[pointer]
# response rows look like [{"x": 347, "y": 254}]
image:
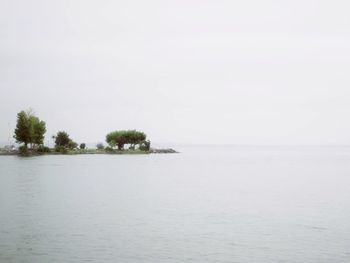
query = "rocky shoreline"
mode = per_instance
[{"x": 168, "y": 150}]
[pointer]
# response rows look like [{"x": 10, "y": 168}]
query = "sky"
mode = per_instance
[{"x": 185, "y": 71}]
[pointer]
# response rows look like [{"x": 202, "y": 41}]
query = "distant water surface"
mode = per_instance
[{"x": 206, "y": 204}]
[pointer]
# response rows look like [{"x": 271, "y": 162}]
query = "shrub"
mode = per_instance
[
  {"x": 109, "y": 149},
  {"x": 43, "y": 149},
  {"x": 61, "y": 149},
  {"x": 145, "y": 146},
  {"x": 23, "y": 150},
  {"x": 100, "y": 146},
  {"x": 72, "y": 145},
  {"x": 82, "y": 146}
]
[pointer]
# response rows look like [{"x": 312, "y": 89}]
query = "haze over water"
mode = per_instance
[{"x": 206, "y": 204}]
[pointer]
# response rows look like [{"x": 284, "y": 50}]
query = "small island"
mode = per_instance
[{"x": 30, "y": 134}]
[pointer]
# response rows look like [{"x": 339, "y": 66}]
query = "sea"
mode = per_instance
[{"x": 204, "y": 204}]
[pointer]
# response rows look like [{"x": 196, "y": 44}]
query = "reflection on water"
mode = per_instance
[{"x": 207, "y": 204}]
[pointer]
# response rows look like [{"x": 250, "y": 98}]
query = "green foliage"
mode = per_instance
[
  {"x": 145, "y": 146},
  {"x": 29, "y": 129},
  {"x": 23, "y": 150},
  {"x": 39, "y": 128},
  {"x": 109, "y": 149},
  {"x": 62, "y": 139},
  {"x": 120, "y": 138},
  {"x": 72, "y": 145},
  {"x": 43, "y": 149},
  {"x": 61, "y": 149},
  {"x": 63, "y": 142},
  {"x": 100, "y": 146},
  {"x": 23, "y": 129}
]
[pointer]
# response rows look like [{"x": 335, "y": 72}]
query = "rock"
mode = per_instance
[{"x": 169, "y": 150}]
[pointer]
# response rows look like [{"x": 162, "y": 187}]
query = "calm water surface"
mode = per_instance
[{"x": 207, "y": 204}]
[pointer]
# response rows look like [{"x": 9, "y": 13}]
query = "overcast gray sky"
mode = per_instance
[{"x": 185, "y": 71}]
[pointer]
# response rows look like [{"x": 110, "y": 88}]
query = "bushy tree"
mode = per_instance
[
  {"x": 82, "y": 146},
  {"x": 29, "y": 129},
  {"x": 72, "y": 145},
  {"x": 62, "y": 139},
  {"x": 116, "y": 138},
  {"x": 23, "y": 128},
  {"x": 145, "y": 146},
  {"x": 122, "y": 137},
  {"x": 135, "y": 137},
  {"x": 39, "y": 131},
  {"x": 100, "y": 146}
]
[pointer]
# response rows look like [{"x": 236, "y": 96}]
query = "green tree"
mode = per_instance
[
  {"x": 82, "y": 146},
  {"x": 29, "y": 129},
  {"x": 63, "y": 142},
  {"x": 62, "y": 139},
  {"x": 122, "y": 137},
  {"x": 23, "y": 129},
  {"x": 135, "y": 137},
  {"x": 39, "y": 130},
  {"x": 117, "y": 138}
]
